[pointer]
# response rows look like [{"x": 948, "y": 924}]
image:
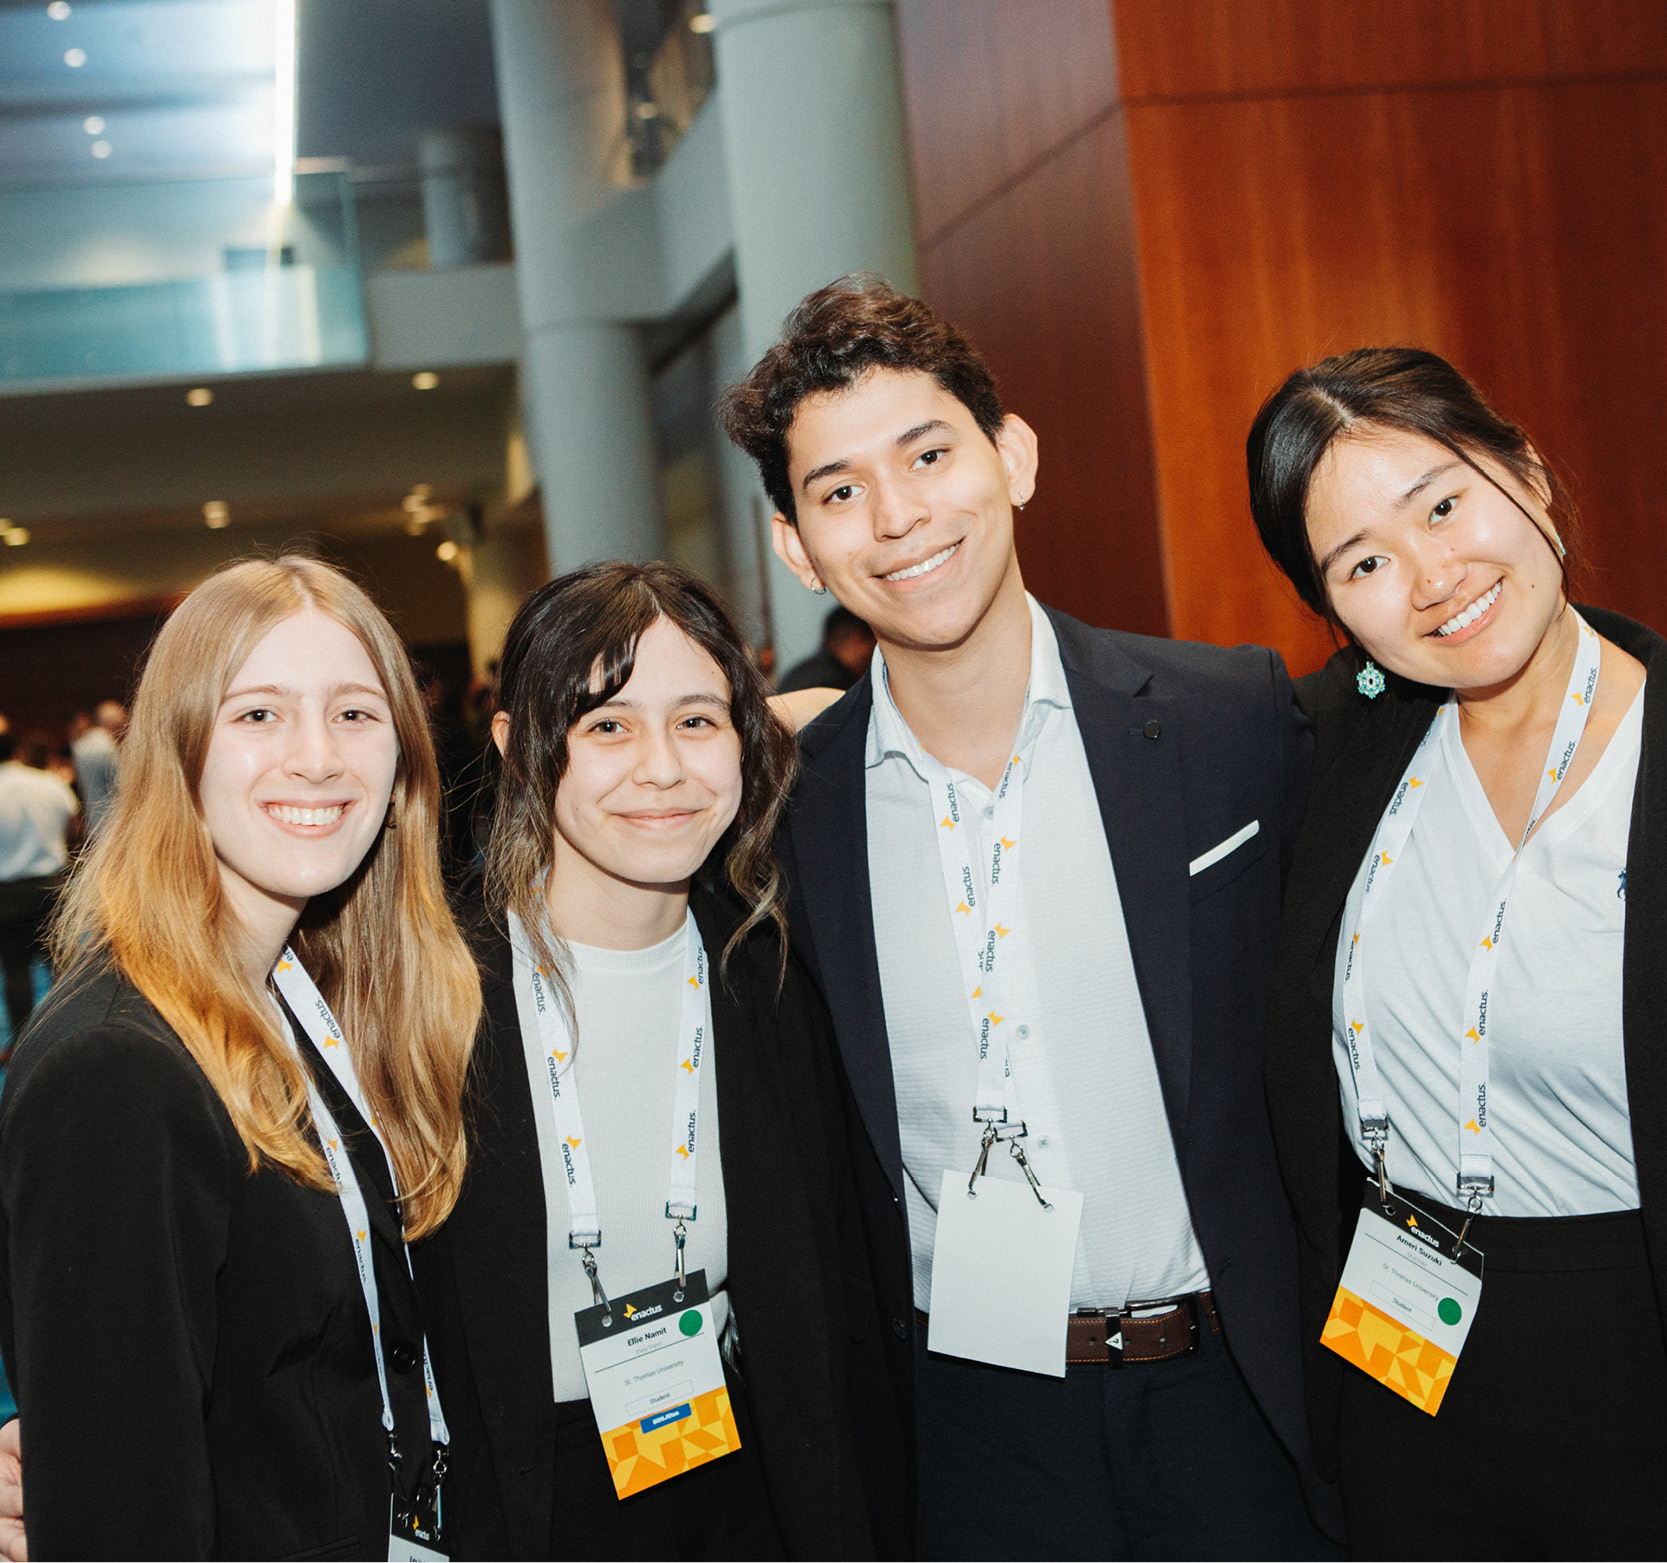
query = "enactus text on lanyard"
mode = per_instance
[
  {"x": 1475, "y": 1158},
  {"x": 310, "y": 1009},
  {"x": 984, "y": 911},
  {"x": 555, "y": 1034}
]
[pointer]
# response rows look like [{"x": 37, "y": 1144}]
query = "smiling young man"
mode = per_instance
[{"x": 1036, "y": 867}]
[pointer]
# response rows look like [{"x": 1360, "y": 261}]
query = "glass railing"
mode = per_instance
[{"x": 208, "y": 277}]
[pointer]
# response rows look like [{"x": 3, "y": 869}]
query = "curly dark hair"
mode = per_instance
[
  {"x": 833, "y": 338},
  {"x": 573, "y": 647},
  {"x": 1402, "y": 388}
]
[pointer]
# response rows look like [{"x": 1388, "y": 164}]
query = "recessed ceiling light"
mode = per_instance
[
  {"x": 199, "y": 396},
  {"x": 648, "y": 109},
  {"x": 702, "y": 22},
  {"x": 101, "y": 149},
  {"x": 75, "y": 58},
  {"x": 446, "y": 552},
  {"x": 58, "y": 10},
  {"x": 217, "y": 514},
  {"x": 93, "y": 124},
  {"x": 16, "y": 536},
  {"x": 425, "y": 380}
]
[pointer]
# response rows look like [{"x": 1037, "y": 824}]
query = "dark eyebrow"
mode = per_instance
[
  {"x": 931, "y": 426},
  {"x": 1337, "y": 552},
  {"x": 1424, "y": 482},
  {"x": 619, "y": 703},
  {"x": 907, "y": 437},
  {"x": 826, "y": 470}
]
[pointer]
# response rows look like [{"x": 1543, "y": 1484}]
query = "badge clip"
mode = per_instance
[
  {"x": 1473, "y": 1188},
  {"x": 583, "y": 1241}
]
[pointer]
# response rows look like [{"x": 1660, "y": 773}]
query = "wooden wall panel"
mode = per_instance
[
  {"x": 1022, "y": 190},
  {"x": 992, "y": 86},
  {"x": 1502, "y": 227},
  {"x": 1043, "y": 280},
  {"x": 1171, "y": 48}
]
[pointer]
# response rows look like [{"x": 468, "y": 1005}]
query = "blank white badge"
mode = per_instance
[{"x": 1001, "y": 1273}]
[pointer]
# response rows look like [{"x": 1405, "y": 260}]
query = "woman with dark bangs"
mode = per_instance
[{"x": 643, "y": 1328}]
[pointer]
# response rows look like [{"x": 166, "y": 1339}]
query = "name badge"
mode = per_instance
[
  {"x": 1407, "y": 1298},
  {"x": 414, "y": 1530},
  {"x": 656, "y": 1383},
  {"x": 1001, "y": 1273}
]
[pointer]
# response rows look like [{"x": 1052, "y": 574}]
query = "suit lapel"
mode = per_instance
[
  {"x": 829, "y": 828},
  {"x": 505, "y": 1300},
  {"x": 1137, "y": 783}
]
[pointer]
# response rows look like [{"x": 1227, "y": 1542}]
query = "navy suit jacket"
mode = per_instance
[{"x": 1187, "y": 744}]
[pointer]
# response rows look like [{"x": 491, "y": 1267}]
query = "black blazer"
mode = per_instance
[
  {"x": 187, "y": 1341},
  {"x": 1187, "y": 744},
  {"x": 1362, "y": 749},
  {"x": 781, "y": 1149}
]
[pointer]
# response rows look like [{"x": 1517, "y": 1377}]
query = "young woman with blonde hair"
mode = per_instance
[{"x": 264, "y": 1026}]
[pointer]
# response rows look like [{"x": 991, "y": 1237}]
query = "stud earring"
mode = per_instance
[{"x": 1370, "y": 681}]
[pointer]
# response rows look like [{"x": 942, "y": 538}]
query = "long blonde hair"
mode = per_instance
[{"x": 382, "y": 947}]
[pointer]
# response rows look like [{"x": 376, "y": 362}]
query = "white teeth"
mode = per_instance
[
  {"x": 285, "y": 815},
  {"x": 925, "y": 567},
  {"x": 1473, "y": 612}
]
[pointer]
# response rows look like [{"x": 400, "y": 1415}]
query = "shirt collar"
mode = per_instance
[{"x": 889, "y": 734}]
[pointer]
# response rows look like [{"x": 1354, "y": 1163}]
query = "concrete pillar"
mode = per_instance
[
  {"x": 561, "y": 92},
  {"x": 465, "y": 206},
  {"x": 814, "y": 135}
]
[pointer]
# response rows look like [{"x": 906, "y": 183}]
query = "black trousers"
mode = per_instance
[
  {"x": 25, "y": 909},
  {"x": 1158, "y": 1460},
  {"x": 1551, "y": 1440},
  {"x": 717, "y": 1510}
]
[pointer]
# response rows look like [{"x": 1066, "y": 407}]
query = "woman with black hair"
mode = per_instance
[
  {"x": 643, "y": 1330},
  {"x": 1470, "y": 993}
]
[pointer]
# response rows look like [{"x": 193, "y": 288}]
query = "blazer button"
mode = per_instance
[
  {"x": 403, "y": 1357},
  {"x": 1151, "y": 729},
  {"x": 900, "y": 1328}
]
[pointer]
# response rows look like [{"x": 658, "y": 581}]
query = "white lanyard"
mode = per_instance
[
  {"x": 1475, "y": 1159},
  {"x": 982, "y": 892},
  {"x": 309, "y": 1007},
  {"x": 561, "y": 1081}
]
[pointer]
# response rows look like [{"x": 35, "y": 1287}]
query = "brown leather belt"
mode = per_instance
[{"x": 1120, "y": 1339}]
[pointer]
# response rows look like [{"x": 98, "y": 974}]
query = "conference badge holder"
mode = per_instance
[
  {"x": 1001, "y": 1264},
  {"x": 1407, "y": 1298},
  {"x": 414, "y": 1528},
  {"x": 656, "y": 1382}
]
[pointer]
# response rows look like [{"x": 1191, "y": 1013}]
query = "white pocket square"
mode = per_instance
[{"x": 1221, "y": 849}]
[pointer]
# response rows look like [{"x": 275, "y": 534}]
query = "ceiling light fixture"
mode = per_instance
[
  {"x": 425, "y": 380},
  {"x": 446, "y": 552},
  {"x": 283, "y": 115},
  {"x": 703, "y": 22},
  {"x": 199, "y": 396},
  {"x": 93, "y": 124},
  {"x": 101, "y": 149},
  {"x": 217, "y": 514},
  {"x": 15, "y": 536},
  {"x": 58, "y": 10},
  {"x": 75, "y": 58}
]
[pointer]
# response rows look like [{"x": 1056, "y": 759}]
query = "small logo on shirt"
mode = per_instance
[{"x": 1620, "y": 893}]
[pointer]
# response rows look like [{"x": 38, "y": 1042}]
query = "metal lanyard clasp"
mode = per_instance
[{"x": 995, "y": 1130}]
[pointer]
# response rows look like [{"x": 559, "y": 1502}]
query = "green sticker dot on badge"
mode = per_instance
[
  {"x": 1449, "y": 1310},
  {"x": 690, "y": 1322}
]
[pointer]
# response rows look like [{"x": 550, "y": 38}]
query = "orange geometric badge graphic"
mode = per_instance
[
  {"x": 1398, "y": 1358},
  {"x": 642, "y": 1455}
]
